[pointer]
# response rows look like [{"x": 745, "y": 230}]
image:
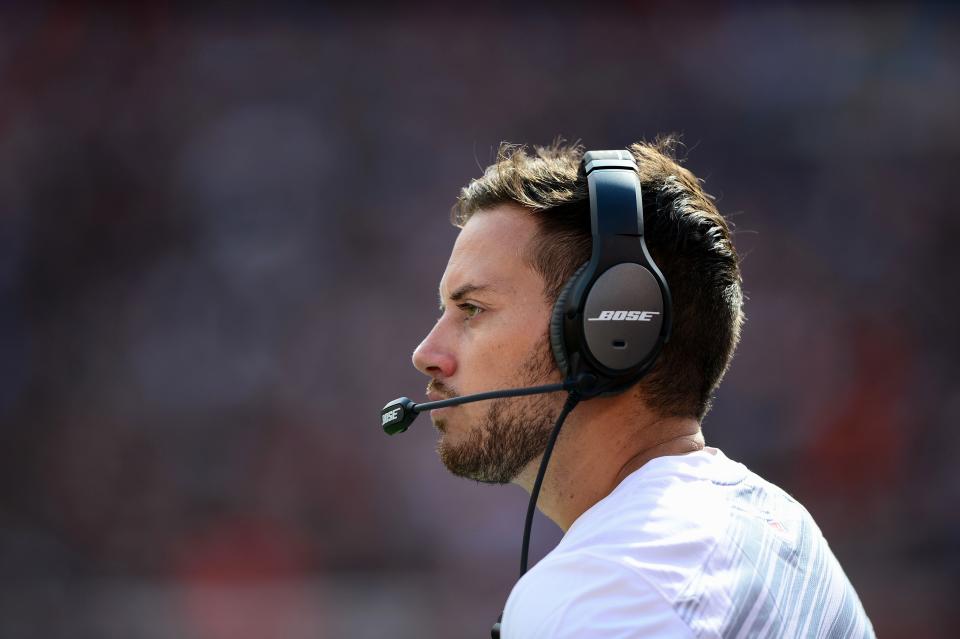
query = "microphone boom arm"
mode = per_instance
[
  {"x": 397, "y": 415},
  {"x": 515, "y": 392}
]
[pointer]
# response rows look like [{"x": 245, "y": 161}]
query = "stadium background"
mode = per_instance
[{"x": 220, "y": 240}]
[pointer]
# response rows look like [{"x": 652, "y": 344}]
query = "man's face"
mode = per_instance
[{"x": 492, "y": 335}]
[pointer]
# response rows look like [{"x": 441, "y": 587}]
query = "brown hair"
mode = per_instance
[{"x": 688, "y": 238}]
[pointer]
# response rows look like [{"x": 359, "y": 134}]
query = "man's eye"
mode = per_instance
[{"x": 470, "y": 310}]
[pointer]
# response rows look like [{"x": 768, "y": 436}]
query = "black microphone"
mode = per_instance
[{"x": 397, "y": 415}]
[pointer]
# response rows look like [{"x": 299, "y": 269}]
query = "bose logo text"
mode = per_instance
[
  {"x": 627, "y": 316},
  {"x": 392, "y": 415}
]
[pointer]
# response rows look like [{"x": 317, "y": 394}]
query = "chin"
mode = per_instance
[{"x": 450, "y": 435}]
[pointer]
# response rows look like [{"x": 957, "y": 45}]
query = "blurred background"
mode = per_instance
[{"x": 221, "y": 235}]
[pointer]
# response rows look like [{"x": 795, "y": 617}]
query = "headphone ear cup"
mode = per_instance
[{"x": 556, "y": 324}]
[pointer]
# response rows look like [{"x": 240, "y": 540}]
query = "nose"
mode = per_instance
[{"x": 434, "y": 357}]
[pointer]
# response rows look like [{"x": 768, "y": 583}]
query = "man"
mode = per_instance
[{"x": 663, "y": 536}]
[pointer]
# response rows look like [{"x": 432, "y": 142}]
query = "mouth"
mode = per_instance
[
  {"x": 437, "y": 391},
  {"x": 433, "y": 395}
]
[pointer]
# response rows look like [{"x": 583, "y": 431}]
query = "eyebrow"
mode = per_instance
[{"x": 462, "y": 292}]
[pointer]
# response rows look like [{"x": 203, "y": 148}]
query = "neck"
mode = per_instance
[{"x": 602, "y": 442}]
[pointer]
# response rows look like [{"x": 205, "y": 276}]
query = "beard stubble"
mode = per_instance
[{"x": 513, "y": 432}]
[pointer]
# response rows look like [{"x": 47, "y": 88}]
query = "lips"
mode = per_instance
[{"x": 436, "y": 391}]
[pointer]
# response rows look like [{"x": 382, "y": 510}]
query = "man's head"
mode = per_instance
[
  {"x": 491, "y": 335},
  {"x": 525, "y": 230}
]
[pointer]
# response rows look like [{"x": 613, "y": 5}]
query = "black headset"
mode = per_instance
[{"x": 612, "y": 318}]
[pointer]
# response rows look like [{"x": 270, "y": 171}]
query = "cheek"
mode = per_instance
[
  {"x": 488, "y": 361},
  {"x": 499, "y": 352}
]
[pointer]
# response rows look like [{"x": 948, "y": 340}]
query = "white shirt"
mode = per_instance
[{"x": 688, "y": 546}]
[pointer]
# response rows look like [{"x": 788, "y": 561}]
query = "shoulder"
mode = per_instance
[
  {"x": 629, "y": 564},
  {"x": 577, "y": 595},
  {"x": 661, "y": 523}
]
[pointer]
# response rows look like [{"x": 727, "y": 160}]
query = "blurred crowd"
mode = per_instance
[{"x": 221, "y": 237}]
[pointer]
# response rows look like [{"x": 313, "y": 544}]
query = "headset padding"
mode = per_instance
[{"x": 556, "y": 324}]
